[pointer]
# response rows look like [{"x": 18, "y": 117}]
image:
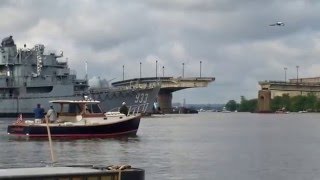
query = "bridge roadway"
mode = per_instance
[{"x": 168, "y": 86}]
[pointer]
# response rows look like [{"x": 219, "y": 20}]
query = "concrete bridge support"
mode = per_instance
[
  {"x": 165, "y": 101},
  {"x": 264, "y": 100}
]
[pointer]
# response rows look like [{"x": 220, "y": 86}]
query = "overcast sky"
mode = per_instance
[{"x": 232, "y": 38}]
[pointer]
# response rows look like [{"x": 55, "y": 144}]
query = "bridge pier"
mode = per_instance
[
  {"x": 165, "y": 101},
  {"x": 264, "y": 100}
]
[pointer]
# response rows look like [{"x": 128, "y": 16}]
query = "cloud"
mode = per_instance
[{"x": 231, "y": 38}]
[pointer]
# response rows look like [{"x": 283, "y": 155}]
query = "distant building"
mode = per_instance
[{"x": 294, "y": 87}]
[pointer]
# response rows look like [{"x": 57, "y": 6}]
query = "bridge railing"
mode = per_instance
[{"x": 290, "y": 83}]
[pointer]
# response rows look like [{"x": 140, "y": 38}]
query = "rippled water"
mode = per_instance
[{"x": 208, "y": 146}]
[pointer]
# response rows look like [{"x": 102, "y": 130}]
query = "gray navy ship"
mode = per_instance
[{"x": 29, "y": 77}]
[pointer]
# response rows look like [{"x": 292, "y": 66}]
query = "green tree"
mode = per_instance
[
  {"x": 286, "y": 103},
  {"x": 281, "y": 102},
  {"x": 311, "y": 101},
  {"x": 252, "y": 105},
  {"x": 231, "y": 105},
  {"x": 317, "y": 106},
  {"x": 276, "y": 103},
  {"x": 248, "y": 105},
  {"x": 296, "y": 103}
]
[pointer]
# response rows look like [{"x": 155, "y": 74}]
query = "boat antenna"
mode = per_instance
[{"x": 53, "y": 160}]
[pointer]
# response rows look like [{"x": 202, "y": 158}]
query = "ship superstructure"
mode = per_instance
[{"x": 27, "y": 76}]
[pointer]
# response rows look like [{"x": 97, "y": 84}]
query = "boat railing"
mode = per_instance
[{"x": 133, "y": 109}]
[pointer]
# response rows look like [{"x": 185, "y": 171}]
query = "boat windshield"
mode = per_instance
[
  {"x": 93, "y": 108},
  {"x": 71, "y": 109}
]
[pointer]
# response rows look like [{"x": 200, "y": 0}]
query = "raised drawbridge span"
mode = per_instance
[{"x": 168, "y": 86}]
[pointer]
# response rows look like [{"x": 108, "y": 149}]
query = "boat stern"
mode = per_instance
[{"x": 17, "y": 130}]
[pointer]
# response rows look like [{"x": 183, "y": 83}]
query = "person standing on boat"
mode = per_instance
[
  {"x": 38, "y": 114},
  {"x": 124, "y": 109},
  {"x": 51, "y": 115}
]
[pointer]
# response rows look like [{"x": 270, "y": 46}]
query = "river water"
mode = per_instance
[{"x": 208, "y": 145}]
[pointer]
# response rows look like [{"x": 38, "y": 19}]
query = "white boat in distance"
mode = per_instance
[{"x": 224, "y": 110}]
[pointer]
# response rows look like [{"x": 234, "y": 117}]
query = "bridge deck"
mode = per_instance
[
  {"x": 168, "y": 82},
  {"x": 168, "y": 85}
]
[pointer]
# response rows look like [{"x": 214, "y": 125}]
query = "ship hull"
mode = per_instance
[
  {"x": 110, "y": 100},
  {"x": 142, "y": 99},
  {"x": 25, "y": 105},
  {"x": 123, "y": 128}
]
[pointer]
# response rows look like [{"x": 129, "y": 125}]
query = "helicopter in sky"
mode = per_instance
[{"x": 279, "y": 23}]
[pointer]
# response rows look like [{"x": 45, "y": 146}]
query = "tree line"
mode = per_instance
[
  {"x": 244, "y": 105},
  {"x": 310, "y": 103}
]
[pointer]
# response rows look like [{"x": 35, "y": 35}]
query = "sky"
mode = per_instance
[{"x": 232, "y": 39}]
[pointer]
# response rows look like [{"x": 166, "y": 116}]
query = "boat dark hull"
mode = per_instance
[{"x": 128, "y": 127}]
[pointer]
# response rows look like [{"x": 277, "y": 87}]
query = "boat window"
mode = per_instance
[
  {"x": 74, "y": 108},
  {"x": 70, "y": 108},
  {"x": 95, "y": 108}
]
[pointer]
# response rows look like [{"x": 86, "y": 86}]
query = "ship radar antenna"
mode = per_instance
[
  {"x": 86, "y": 69},
  {"x": 59, "y": 56}
]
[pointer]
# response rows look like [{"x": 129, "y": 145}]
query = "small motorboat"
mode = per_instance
[
  {"x": 224, "y": 110},
  {"x": 79, "y": 119}
]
